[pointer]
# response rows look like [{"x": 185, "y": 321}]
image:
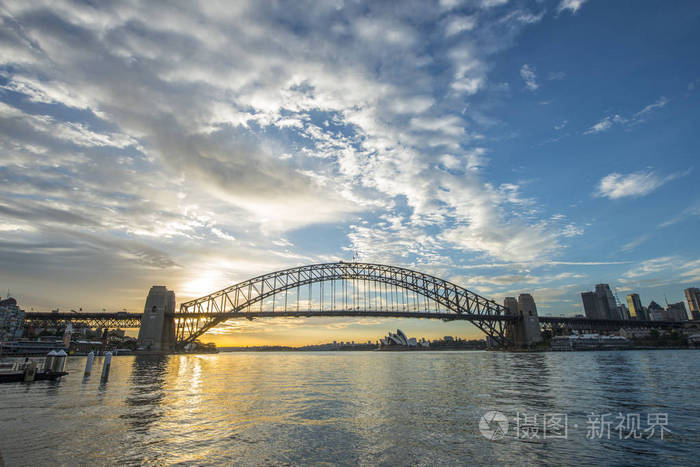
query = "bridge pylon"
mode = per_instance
[
  {"x": 524, "y": 332},
  {"x": 157, "y": 332}
]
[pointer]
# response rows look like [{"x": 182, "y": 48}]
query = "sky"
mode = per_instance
[{"x": 507, "y": 146}]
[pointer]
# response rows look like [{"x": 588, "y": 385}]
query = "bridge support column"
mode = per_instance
[
  {"x": 510, "y": 304},
  {"x": 526, "y": 330},
  {"x": 157, "y": 332}
]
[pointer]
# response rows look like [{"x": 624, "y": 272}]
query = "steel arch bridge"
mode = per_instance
[{"x": 343, "y": 289}]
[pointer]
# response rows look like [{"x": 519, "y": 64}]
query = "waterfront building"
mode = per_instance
[
  {"x": 623, "y": 312},
  {"x": 635, "y": 307},
  {"x": 656, "y": 313},
  {"x": 590, "y": 305},
  {"x": 511, "y": 306},
  {"x": 692, "y": 295},
  {"x": 606, "y": 301},
  {"x": 37, "y": 347},
  {"x": 676, "y": 312},
  {"x": 11, "y": 320},
  {"x": 694, "y": 341},
  {"x": 601, "y": 304},
  {"x": 589, "y": 342},
  {"x": 400, "y": 339},
  {"x": 635, "y": 333}
]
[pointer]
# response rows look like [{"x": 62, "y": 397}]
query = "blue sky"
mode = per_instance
[{"x": 509, "y": 146}]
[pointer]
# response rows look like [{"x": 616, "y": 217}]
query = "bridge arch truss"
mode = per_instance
[{"x": 345, "y": 289}]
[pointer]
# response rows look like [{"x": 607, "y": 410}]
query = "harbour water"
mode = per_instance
[{"x": 367, "y": 408}]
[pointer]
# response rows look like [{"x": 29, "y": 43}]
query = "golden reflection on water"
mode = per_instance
[{"x": 354, "y": 408}]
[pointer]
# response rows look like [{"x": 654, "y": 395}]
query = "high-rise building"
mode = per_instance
[
  {"x": 692, "y": 295},
  {"x": 606, "y": 301},
  {"x": 11, "y": 320},
  {"x": 637, "y": 311},
  {"x": 676, "y": 312},
  {"x": 601, "y": 304},
  {"x": 623, "y": 312},
  {"x": 656, "y": 313},
  {"x": 590, "y": 305},
  {"x": 511, "y": 306}
]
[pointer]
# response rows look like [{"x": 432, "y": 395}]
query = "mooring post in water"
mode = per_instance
[
  {"x": 30, "y": 372},
  {"x": 88, "y": 362},
  {"x": 59, "y": 362},
  {"x": 105, "y": 366},
  {"x": 48, "y": 362}
]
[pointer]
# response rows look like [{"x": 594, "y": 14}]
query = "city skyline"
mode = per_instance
[{"x": 510, "y": 147}]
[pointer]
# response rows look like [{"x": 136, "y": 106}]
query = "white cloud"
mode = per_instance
[
  {"x": 570, "y": 5},
  {"x": 200, "y": 127},
  {"x": 605, "y": 124},
  {"x": 492, "y": 3},
  {"x": 458, "y": 24},
  {"x": 660, "y": 264},
  {"x": 691, "y": 211},
  {"x": 639, "y": 117},
  {"x": 635, "y": 184},
  {"x": 642, "y": 115},
  {"x": 527, "y": 73},
  {"x": 635, "y": 243},
  {"x": 561, "y": 125}
]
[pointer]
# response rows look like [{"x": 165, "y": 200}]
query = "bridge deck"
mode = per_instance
[
  {"x": 346, "y": 314},
  {"x": 134, "y": 319}
]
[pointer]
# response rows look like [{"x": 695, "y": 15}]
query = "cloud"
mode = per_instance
[
  {"x": 198, "y": 132},
  {"x": 458, "y": 24},
  {"x": 691, "y": 211},
  {"x": 570, "y": 5},
  {"x": 605, "y": 124},
  {"x": 639, "y": 117},
  {"x": 527, "y": 73},
  {"x": 636, "y": 184},
  {"x": 643, "y": 114},
  {"x": 674, "y": 268},
  {"x": 556, "y": 75},
  {"x": 636, "y": 242}
]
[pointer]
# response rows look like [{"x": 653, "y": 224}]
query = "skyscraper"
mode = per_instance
[
  {"x": 590, "y": 305},
  {"x": 511, "y": 306},
  {"x": 607, "y": 305},
  {"x": 601, "y": 304},
  {"x": 11, "y": 320},
  {"x": 656, "y": 313},
  {"x": 637, "y": 311},
  {"x": 623, "y": 312},
  {"x": 692, "y": 295},
  {"x": 676, "y": 312}
]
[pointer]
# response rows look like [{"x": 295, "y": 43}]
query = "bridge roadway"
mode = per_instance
[
  {"x": 133, "y": 320},
  {"x": 93, "y": 319}
]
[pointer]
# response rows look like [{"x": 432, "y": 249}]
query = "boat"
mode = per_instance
[
  {"x": 32, "y": 370},
  {"x": 18, "y": 376}
]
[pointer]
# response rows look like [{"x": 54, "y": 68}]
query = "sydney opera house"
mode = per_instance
[{"x": 400, "y": 339}]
